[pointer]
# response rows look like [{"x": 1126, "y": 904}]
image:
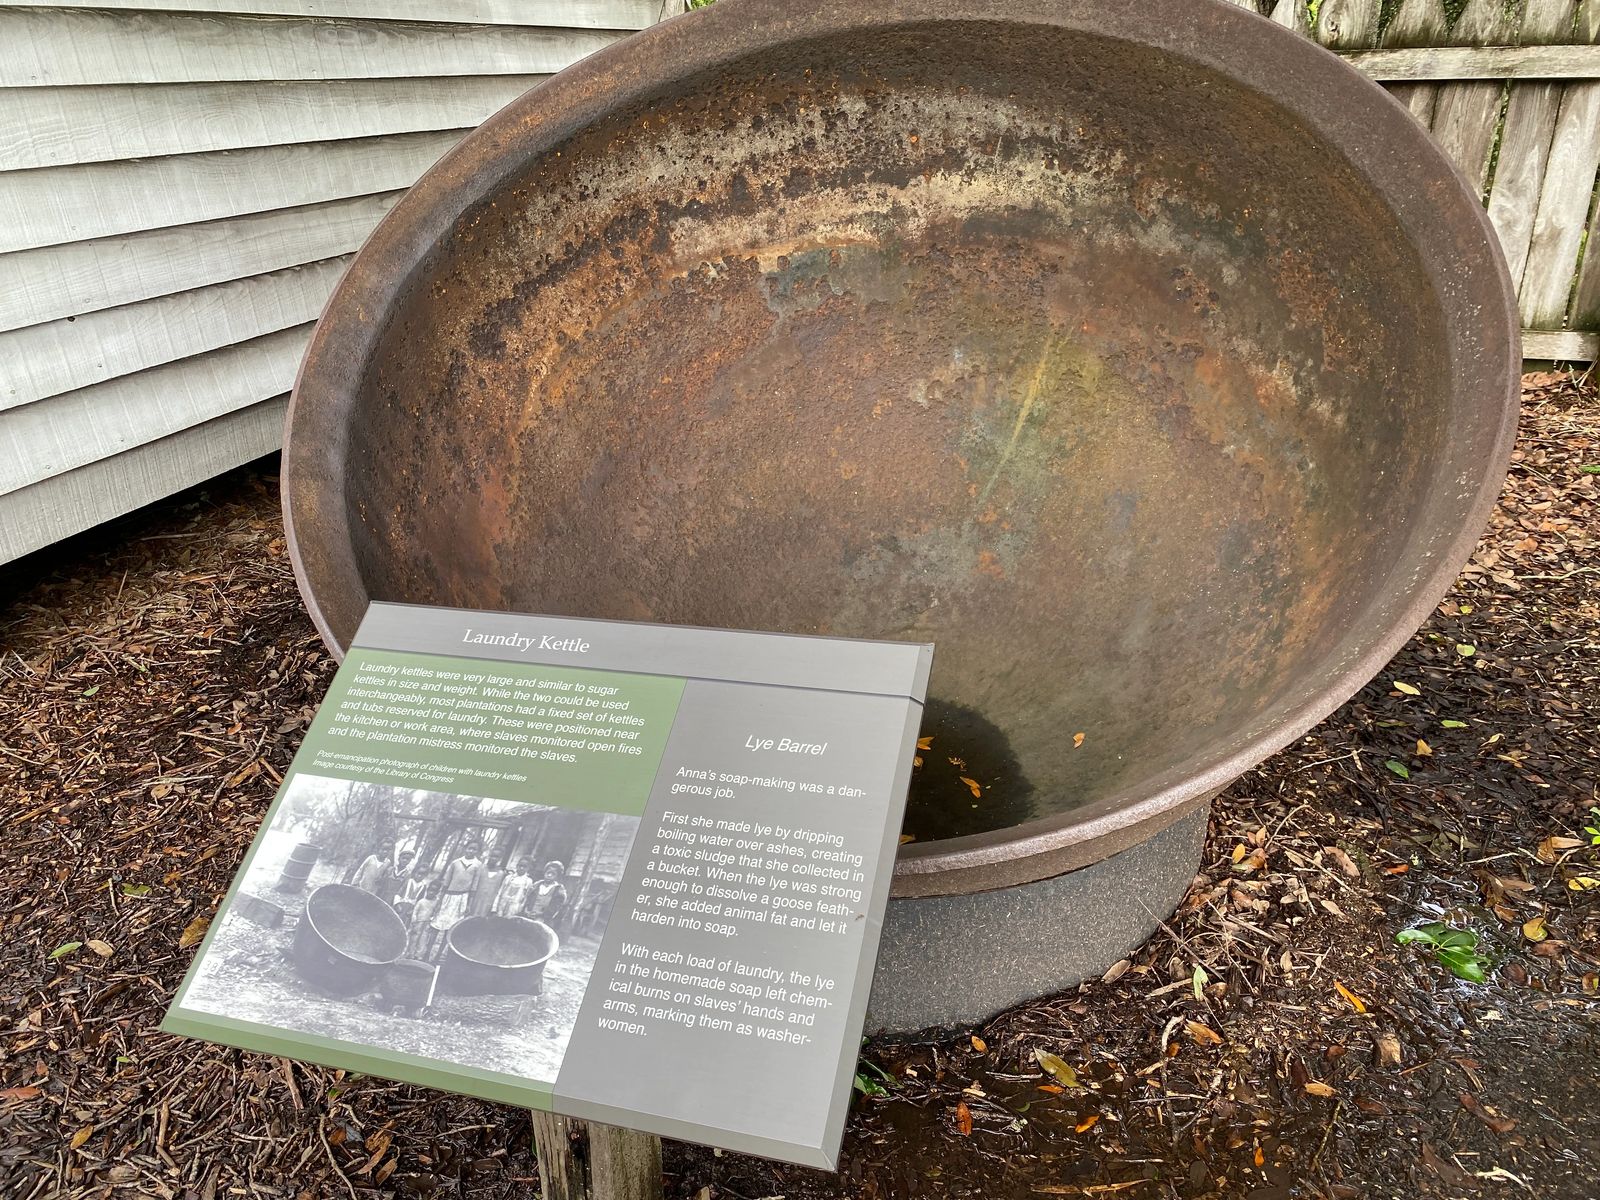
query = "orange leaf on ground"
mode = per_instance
[
  {"x": 1077, "y": 740},
  {"x": 972, "y": 786},
  {"x": 963, "y": 1119},
  {"x": 1086, "y": 1124},
  {"x": 1355, "y": 1001}
]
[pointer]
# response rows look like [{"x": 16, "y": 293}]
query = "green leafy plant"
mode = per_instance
[
  {"x": 1455, "y": 949},
  {"x": 869, "y": 1086},
  {"x": 1594, "y": 830}
]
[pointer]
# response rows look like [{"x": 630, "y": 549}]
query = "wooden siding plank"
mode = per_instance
[
  {"x": 80, "y": 277},
  {"x": 1525, "y": 137},
  {"x": 62, "y": 505},
  {"x": 41, "y": 440},
  {"x": 62, "y": 126},
  {"x": 80, "y": 46},
  {"x": 1563, "y": 208},
  {"x": 63, "y": 356},
  {"x": 1478, "y": 62},
  {"x": 1566, "y": 346},
  {"x": 576, "y": 14},
  {"x": 73, "y": 204}
]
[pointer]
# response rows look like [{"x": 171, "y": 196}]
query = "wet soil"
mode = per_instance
[{"x": 1272, "y": 1041}]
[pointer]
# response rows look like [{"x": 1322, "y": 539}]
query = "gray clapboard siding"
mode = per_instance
[
  {"x": 183, "y": 180},
  {"x": 52, "y": 205},
  {"x": 53, "y": 282},
  {"x": 65, "y": 355},
  {"x": 577, "y": 14},
  {"x": 84, "y": 47},
  {"x": 66, "y": 504},
  {"x": 63, "y": 433},
  {"x": 61, "y": 126}
]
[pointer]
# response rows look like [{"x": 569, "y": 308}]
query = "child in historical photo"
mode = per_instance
[{"x": 414, "y": 921}]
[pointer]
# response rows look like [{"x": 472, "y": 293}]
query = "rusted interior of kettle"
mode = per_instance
[{"x": 1111, "y": 375}]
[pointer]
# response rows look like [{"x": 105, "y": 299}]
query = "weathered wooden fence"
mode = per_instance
[{"x": 1511, "y": 91}]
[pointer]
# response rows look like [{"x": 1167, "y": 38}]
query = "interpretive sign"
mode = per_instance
[{"x": 631, "y": 873}]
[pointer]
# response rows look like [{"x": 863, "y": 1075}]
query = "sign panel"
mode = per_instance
[{"x": 632, "y": 873}]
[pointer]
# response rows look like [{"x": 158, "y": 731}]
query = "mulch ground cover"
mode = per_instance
[{"x": 1274, "y": 1040}]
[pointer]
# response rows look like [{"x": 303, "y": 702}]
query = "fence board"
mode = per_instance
[
  {"x": 1477, "y": 62},
  {"x": 1292, "y": 15},
  {"x": 1563, "y": 208},
  {"x": 80, "y": 277},
  {"x": 1465, "y": 114},
  {"x": 1417, "y": 23},
  {"x": 80, "y": 46},
  {"x": 65, "y": 355},
  {"x": 60, "y": 434},
  {"x": 1566, "y": 346},
  {"x": 1525, "y": 136},
  {"x": 1347, "y": 24},
  {"x": 72, "y": 204},
  {"x": 61, "y": 126},
  {"x": 577, "y": 14},
  {"x": 66, "y": 504}
]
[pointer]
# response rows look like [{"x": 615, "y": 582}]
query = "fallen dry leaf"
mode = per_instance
[
  {"x": 1086, "y": 1124},
  {"x": 1535, "y": 930},
  {"x": 1501, "y": 1125},
  {"x": 1355, "y": 1001},
  {"x": 1203, "y": 1034},
  {"x": 963, "y": 1119},
  {"x": 1057, "y": 1066},
  {"x": 978, "y": 1044},
  {"x": 972, "y": 786},
  {"x": 103, "y": 949},
  {"x": 1077, "y": 740},
  {"x": 193, "y": 932},
  {"x": 1552, "y": 848},
  {"x": 82, "y": 1136},
  {"x": 925, "y": 743},
  {"x": 1317, "y": 1088},
  {"x": 1343, "y": 861}
]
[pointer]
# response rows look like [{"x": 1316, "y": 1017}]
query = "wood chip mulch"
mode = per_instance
[{"x": 1273, "y": 1041}]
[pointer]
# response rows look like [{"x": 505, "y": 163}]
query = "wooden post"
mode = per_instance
[{"x": 581, "y": 1160}]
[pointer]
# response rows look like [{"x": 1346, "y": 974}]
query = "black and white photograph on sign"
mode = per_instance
[{"x": 450, "y": 927}]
